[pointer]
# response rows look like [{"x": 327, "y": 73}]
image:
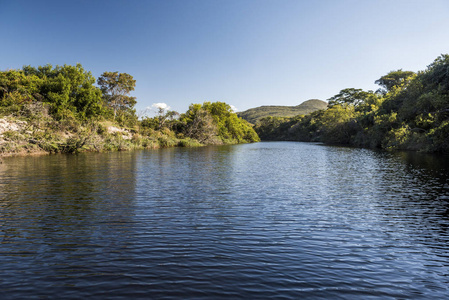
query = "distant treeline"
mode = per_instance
[
  {"x": 408, "y": 112},
  {"x": 61, "y": 109}
]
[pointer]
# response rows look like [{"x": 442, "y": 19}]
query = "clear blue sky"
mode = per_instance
[{"x": 247, "y": 53}]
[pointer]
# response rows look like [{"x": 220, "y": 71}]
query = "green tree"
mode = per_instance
[
  {"x": 216, "y": 123},
  {"x": 349, "y": 96},
  {"x": 16, "y": 88},
  {"x": 436, "y": 77},
  {"x": 394, "y": 78},
  {"x": 116, "y": 88},
  {"x": 231, "y": 128},
  {"x": 199, "y": 124},
  {"x": 69, "y": 90},
  {"x": 276, "y": 128}
]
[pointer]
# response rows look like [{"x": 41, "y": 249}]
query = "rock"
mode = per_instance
[{"x": 6, "y": 125}]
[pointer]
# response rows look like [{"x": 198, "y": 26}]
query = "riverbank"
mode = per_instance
[
  {"x": 60, "y": 110},
  {"x": 25, "y": 137},
  {"x": 410, "y": 111},
  {"x": 20, "y": 136}
]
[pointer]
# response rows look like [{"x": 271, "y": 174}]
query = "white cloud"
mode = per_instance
[
  {"x": 234, "y": 109},
  {"x": 163, "y": 106},
  {"x": 160, "y": 106}
]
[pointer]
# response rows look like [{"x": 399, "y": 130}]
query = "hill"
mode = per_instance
[{"x": 253, "y": 114}]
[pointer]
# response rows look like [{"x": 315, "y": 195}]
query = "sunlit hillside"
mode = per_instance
[{"x": 253, "y": 114}]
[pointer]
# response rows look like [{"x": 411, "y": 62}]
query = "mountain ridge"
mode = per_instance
[{"x": 252, "y": 115}]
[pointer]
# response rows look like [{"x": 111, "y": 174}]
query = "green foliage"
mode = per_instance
[
  {"x": 66, "y": 113},
  {"x": 338, "y": 125},
  {"x": 350, "y": 97},
  {"x": 164, "y": 119},
  {"x": 116, "y": 88},
  {"x": 16, "y": 90},
  {"x": 12, "y": 135},
  {"x": 69, "y": 90},
  {"x": 188, "y": 143},
  {"x": 215, "y": 123},
  {"x": 198, "y": 123},
  {"x": 276, "y": 128},
  {"x": 410, "y": 112},
  {"x": 437, "y": 74},
  {"x": 150, "y": 123},
  {"x": 231, "y": 128},
  {"x": 394, "y": 78}
]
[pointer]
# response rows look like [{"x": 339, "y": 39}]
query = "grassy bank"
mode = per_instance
[
  {"x": 33, "y": 130},
  {"x": 21, "y": 135}
]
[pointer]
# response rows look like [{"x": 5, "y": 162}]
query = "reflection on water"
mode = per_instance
[{"x": 265, "y": 220}]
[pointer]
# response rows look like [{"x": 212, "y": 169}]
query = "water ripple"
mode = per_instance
[{"x": 266, "y": 220}]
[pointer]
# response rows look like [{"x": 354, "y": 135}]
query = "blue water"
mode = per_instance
[{"x": 266, "y": 220}]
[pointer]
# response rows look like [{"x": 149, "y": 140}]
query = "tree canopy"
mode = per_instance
[
  {"x": 60, "y": 109},
  {"x": 410, "y": 111},
  {"x": 217, "y": 123},
  {"x": 68, "y": 90},
  {"x": 116, "y": 88},
  {"x": 349, "y": 96},
  {"x": 392, "y": 79}
]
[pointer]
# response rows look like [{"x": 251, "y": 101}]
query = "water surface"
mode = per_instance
[{"x": 267, "y": 220}]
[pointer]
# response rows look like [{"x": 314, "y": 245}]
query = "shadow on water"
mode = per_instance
[
  {"x": 59, "y": 212},
  {"x": 426, "y": 177}
]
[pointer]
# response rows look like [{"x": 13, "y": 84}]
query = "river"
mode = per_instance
[{"x": 277, "y": 220}]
